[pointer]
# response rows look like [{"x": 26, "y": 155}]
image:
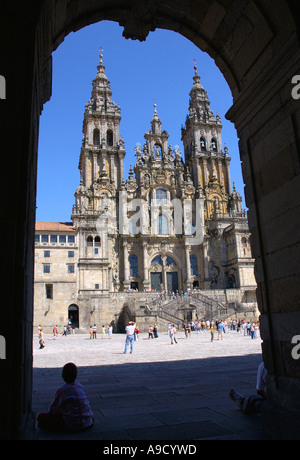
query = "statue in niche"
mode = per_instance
[
  {"x": 158, "y": 152},
  {"x": 147, "y": 181}
]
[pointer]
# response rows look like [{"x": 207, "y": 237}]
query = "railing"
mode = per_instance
[{"x": 206, "y": 307}]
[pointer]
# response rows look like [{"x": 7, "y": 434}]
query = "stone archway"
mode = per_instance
[
  {"x": 256, "y": 46},
  {"x": 73, "y": 316}
]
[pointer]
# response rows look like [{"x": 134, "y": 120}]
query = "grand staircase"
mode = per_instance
[{"x": 195, "y": 305}]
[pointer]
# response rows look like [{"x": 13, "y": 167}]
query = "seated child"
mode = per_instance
[{"x": 70, "y": 409}]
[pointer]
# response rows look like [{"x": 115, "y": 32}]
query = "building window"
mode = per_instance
[
  {"x": 110, "y": 138},
  {"x": 46, "y": 268},
  {"x": 46, "y": 253},
  {"x": 203, "y": 144},
  {"x": 96, "y": 251},
  {"x": 170, "y": 261},
  {"x": 71, "y": 239},
  {"x": 96, "y": 137},
  {"x": 49, "y": 291},
  {"x": 89, "y": 241},
  {"x": 97, "y": 241},
  {"x": 53, "y": 238},
  {"x": 161, "y": 196},
  {"x": 163, "y": 225},
  {"x": 157, "y": 261},
  {"x": 62, "y": 238},
  {"x": 96, "y": 286},
  {"x": 71, "y": 268},
  {"x": 37, "y": 238},
  {"x": 45, "y": 238},
  {"x": 70, "y": 254},
  {"x": 194, "y": 265},
  {"x": 214, "y": 145},
  {"x": 134, "y": 266}
]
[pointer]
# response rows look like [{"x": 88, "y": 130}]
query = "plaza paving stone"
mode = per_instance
[{"x": 160, "y": 392}]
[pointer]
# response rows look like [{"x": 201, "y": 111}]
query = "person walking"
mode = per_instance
[
  {"x": 110, "y": 331},
  {"x": 136, "y": 333},
  {"x": 94, "y": 331},
  {"x": 130, "y": 328},
  {"x": 41, "y": 339},
  {"x": 220, "y": 330},
  {"x": 172, "y": 333},
  {"x": 212, "y": 332},
  {"x": 103, "y": 331},
  {"x": 150, "y": 332}
]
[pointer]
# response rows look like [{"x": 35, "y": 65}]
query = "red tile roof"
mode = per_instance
[{"x": 54, "y": 227}]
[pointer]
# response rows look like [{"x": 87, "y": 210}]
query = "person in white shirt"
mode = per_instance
[
  {"x": 130, "y": 328},
  {"x": 253, "y": 404}
]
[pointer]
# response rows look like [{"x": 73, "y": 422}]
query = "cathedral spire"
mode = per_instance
[
  {"x": 101, "y": 67},
  {"x": 197, "y": 80},
  {"x": 156, "y": 122}
]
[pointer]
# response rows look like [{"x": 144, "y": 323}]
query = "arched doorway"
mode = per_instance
[
  {"x": 73, "y": 316},
  {"x": 257, "y": 48},
  {"x": 165, "y": 274}
]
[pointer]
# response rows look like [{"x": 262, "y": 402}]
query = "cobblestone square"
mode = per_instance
[{"x": 160, "y": 392}]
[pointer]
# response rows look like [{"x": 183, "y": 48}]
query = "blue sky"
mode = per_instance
[{"x": 159, "y": 71}]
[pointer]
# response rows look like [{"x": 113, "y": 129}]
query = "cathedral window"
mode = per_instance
[
  {"x": 163, "y": 225},
  {"x": 97, "y": 241},
  {"x": 214, "y": 145},
  {"x": 96, "y": 137},
  {"x": 134, "y": 266},
  {"x": 109, "y": 138},
  {"x": 244, "y": 246},
  {"x": 194, "y": 265},
  {"x": 157, "y": 261},
  {"x": 170, "y": 261},
  {"x": 161, "y": 196},
  {"x": 89, "y": 241},
  {"x": 203, "y": 144}
]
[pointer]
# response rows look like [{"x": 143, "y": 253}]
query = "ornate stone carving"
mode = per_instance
[{"x": 141, "y": 20}]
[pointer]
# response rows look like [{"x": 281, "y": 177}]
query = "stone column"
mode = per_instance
[
  {"x": 146, "y": 282},
  {"x": 126, "y": 265},
  {"x": 188, "y": 267}
]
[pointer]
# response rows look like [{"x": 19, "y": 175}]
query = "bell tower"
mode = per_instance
[
  {"x": 101, "y": 168},
  {"x": 102, "y": 153},
  {"x": 207, "y": 161}
]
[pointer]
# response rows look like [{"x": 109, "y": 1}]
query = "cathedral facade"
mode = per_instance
[{"x": 175, "y": 225}]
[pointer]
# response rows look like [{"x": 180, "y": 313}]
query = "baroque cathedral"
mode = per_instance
[{"x": 175, "y": 225}]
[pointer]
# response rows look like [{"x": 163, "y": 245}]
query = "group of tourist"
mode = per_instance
[
  {"x": 105, "y": 331},
  {"x": 243, "y": 327}
]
